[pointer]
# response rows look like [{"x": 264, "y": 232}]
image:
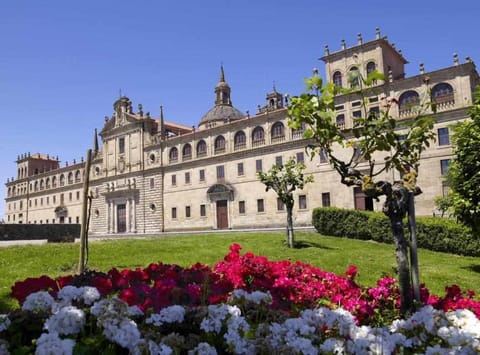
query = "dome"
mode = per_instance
[{"x": 221, "y": 113}]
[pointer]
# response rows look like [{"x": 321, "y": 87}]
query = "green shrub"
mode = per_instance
[{"x": 436, "y": 234}]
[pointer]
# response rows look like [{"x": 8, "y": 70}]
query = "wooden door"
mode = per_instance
[
  {"x": 121, "y": 218},
  {"x": 222, "y": 214}
]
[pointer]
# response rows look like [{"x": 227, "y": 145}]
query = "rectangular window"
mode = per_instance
[
  {"x": 443, "y": 136},
  {"x": 240, "y": 171},
  {"x": 41, "y": 201},
  {"x": 48, "y": 202},
  {"x": 70, "y": 220},
  {"x": 77, "y": 219},
  {"x": 356, "y": 103},
  {"x": 220, "y": 172},
  {"x": 54, "y": 199},
  {"x": 258, "y": 165},
  {"x": 323, "y": 156},
  {"x": 174, "y": 180},
  {"x": 152, "y": 183},
  {"x": 187, "y": 178},
  {"x": 201, "y": 174},
  {"x": 121, "y": 145},
  {"x": 300, "y": 157},
  {"x": 187, "y": 211},
  {"x": 53, "y": 221},
  {"x": 78, "y": 195},
  {"x": 29, "y": 203},
  {"x": 374, "y": 112},
  {"x": 325, "y": 199},
  {"x": 278, "y": 161},
  {"x": 62, "y": 199},
  {"x": 357, "y": 114},
  {"x": 203, "y": 211},
  {"x": 70, "y": 196},
  {"x": 280, "y": 204},
  {"x": 174, "y": 212},
  {"x": 302, "y": 202},
  {"x": 260, "y": 206},
  {"x": 35, "y": 202},
  {"x": 241, "y": 207},
  {"x": 444, "y": 165}
]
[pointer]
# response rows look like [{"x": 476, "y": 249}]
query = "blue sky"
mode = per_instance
[{"x": 64, "y": 63}]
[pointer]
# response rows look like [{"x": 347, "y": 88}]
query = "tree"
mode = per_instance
[
  {"x": 375, "y": 144},
  {"x": 463, "y": 176},
  {"x": 284, "y": 180}
]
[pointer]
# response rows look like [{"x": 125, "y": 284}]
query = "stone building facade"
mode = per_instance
[{"x": 150, "y": 176}]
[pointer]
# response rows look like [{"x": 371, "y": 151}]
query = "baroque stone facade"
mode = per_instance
[{"x": 151, "y": 176}]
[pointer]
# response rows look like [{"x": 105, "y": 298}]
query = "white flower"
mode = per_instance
[
  {"x": 216, "y": 315},
  {"x": 4, "y": 322},
  {"x": 172, "y": 314},
  {"x": 236, "y": 327},
  {"x": 39, "y": 302},
  {"x": 68, "y": 320},
  {"x": 334, "y": 346},
  {"x": 438, "y": 350},
  {"x": 112, "y": 307},
  {"x": 89, "y": 294},
  {"x": 4, "y": 347},
  {"x": 203, "y": 349},
  {"x": 124, "y": 332},
  {"x": 256, "y": 297},
  {"x": 159, "y": 349},
  {"x": 134, "y": 311},
  {"x": 51, "y": 344},
  {"x": 68, "y": 293}
]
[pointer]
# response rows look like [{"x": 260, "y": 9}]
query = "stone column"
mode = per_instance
[
  {"x": 134, "y": 217},
  {"x": 127, "y": 207}
]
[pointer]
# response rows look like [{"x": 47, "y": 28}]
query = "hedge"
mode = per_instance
[
  {"x": 433, "y": 233},
  {"x": 51, "y": 232}
]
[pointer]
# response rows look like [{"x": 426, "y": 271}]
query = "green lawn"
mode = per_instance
[{"x": 333, "y": 254}]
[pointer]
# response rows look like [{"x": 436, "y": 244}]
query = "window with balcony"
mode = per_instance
[
  {"x": 258, "y": 136},
  {"x": 187, "y": 152},
  {"x": 219, "y": 144},
  {"x": 173, "y": 154},
  {"x": 240, "y": 140},
  {"x": 278, "y": 132},
  {"x": 337, "y": 79}
]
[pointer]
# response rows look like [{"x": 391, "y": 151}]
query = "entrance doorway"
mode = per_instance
[
  {"x": 222, "y": 214},
  {"x": 121, "y": 218},
  {"x": 362, "y": 201}
]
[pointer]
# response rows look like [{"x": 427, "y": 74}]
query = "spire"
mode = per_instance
[
  {"x": 95, "y": 142},
  {"x": 162, "y": 124},
  {"x": 222, "y": 90},
  {"x": 222, "y": 74}
]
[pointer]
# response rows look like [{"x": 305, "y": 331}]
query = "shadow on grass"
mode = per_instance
[
  {"x": 303, "y": 244},
  {"x": 473, "y": 267}
]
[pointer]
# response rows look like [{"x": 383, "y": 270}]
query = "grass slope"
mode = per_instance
[{"x": 333, "y": 254}]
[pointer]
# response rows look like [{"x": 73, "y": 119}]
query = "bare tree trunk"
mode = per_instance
[
  {"x": 290, "y": 236},
  {"x": 395, "y": 208},
  {"x": 413, "y": 246}
]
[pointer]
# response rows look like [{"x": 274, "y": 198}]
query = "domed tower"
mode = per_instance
[{"x": 223, "y": 111}]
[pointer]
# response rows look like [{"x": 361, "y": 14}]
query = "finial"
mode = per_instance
[
  {"x": 106, "y": 118},
  {"x": 393, "y": 45},
  {"x": 344, "y": 45},
  {"x": 248, "y": 113},
  {"x": 327, "y": 50},
  {"x": 315, "y": 71},
  {"x": 286, "y": 98},
  {"x": 274, "y": 88},
  {"x": 399, "y": 51},
  {"x": 455, "y": 58},
  {"x": 140, "y": 110},
  {"x": 390, "y": 75},
  {"x": 81, "y": 159},
  {"x": 119, "y": 93},
  {"x": 56, "y": 158},
  {"x": 95, "y": 142},
  {"x": 74, "y": 162},
  {"x": 377, "y": 33},
  {"x": 422, "y": 68},
  {"x": 468, "y": 59},
  {"x": 359, "y": 38}
]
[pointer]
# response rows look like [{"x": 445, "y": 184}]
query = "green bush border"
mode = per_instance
[{"x": 433, "y": 233}]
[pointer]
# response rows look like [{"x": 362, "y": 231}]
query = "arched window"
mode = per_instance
[
  {"x": 371, "y": 67},
  {"x": 78, "y": 176},
  {"x": 187, "y": 152},
  {"x": 47, "y": 183},
  {"x": 258, "y": 136},
  {"x": 278, "y": 133},
  {"x": 219, "y": 145},
  {"x": 9, "y": 192},
  {"x": 408, "y": 100},
  {"x": 173, "y": 155},
  {"x": 337, "y": 79},
  {"x": 201, "y": 148},
  {"x": 14, "y": 191},
  {"x": 240, "y": 140},
  {"x": 35, "y": 186},
  {"x": 354, "y": 78},
  {"x": 54, "y": 181},
  {"x": 42, "y": 185},
  {"x": 443, "y": 93},
  {"x": 340, "y": 121},
  {"x": 62, "y": 180},
  {"x": 70, "y": 177}
]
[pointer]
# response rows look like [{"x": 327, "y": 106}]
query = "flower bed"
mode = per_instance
[{"x": 244, "y": 304}]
